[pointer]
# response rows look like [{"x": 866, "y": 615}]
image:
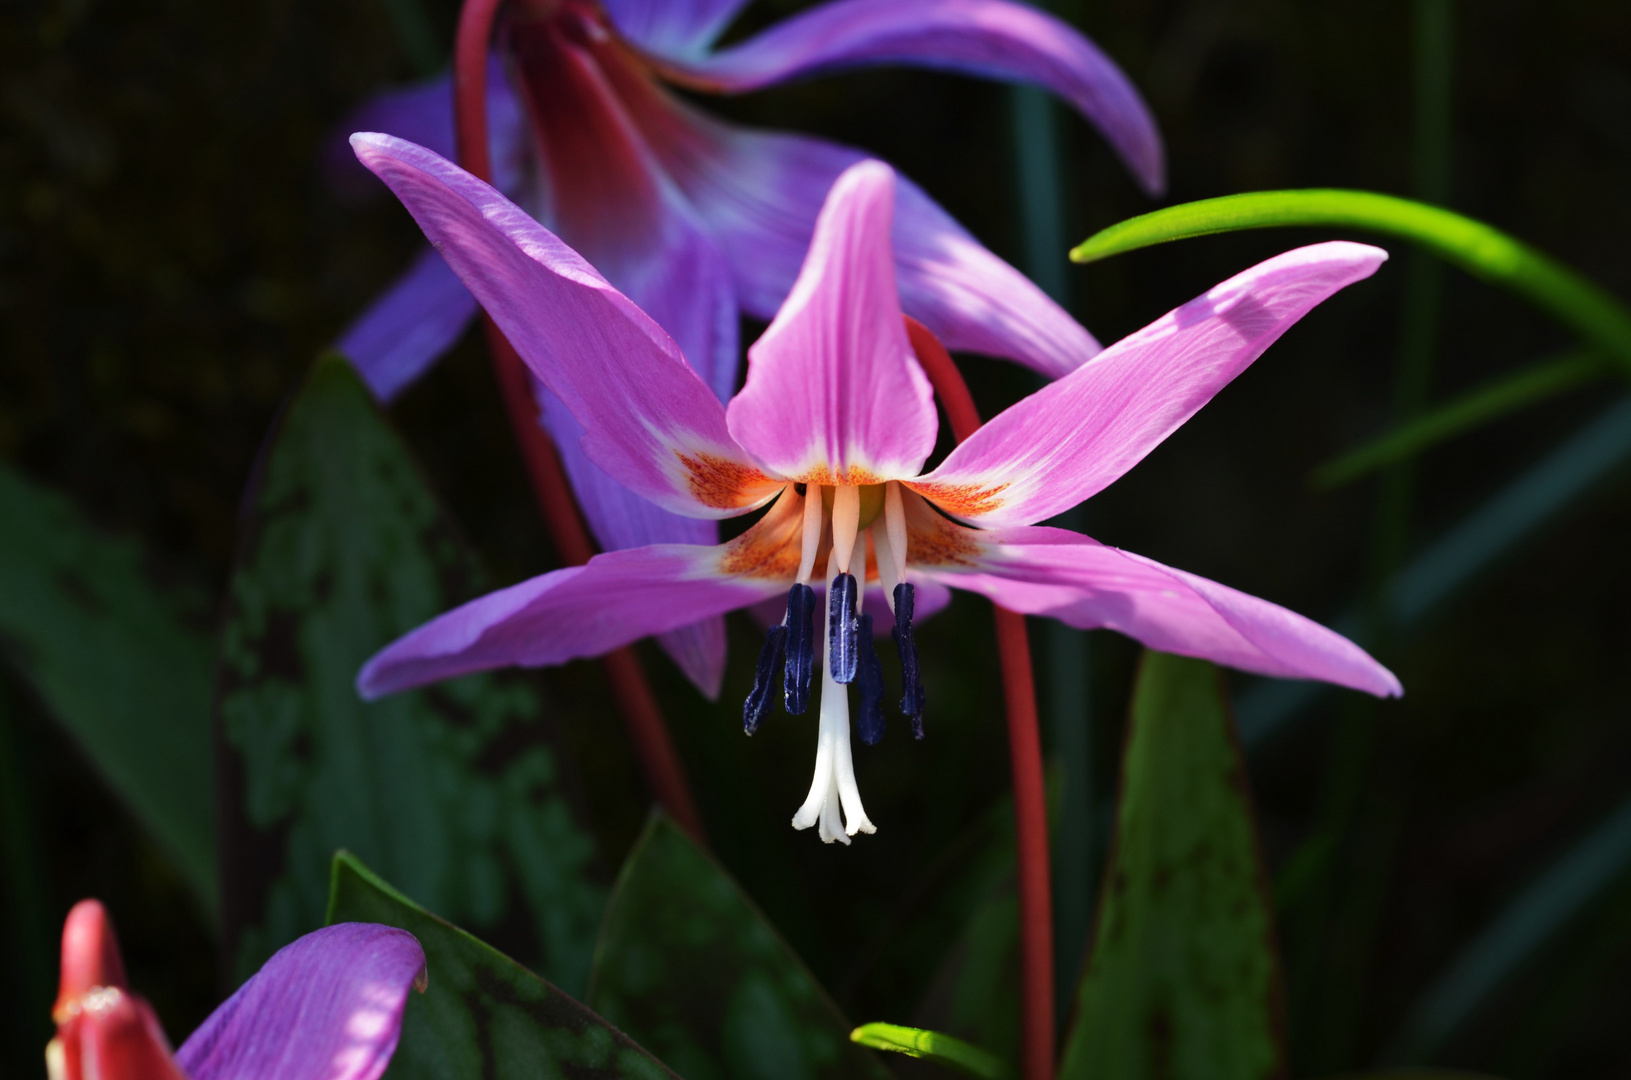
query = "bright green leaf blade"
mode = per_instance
[
  {"x": 1183, "y": 982},
  {"x": 690, "y": 967},
  {"x": 456, "y": 792},
  {"x": 111, "y": 656},
  {"x": 1480, "y": 249},
  {"x": 483, "y": 1014},
  {"x": 932, "y": 1046},
  {"x": 1491, "y": 401}
]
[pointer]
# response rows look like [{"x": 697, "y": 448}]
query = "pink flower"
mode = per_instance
[
  {"x": 696, "y": 219},
  {"x": 328, "y": 1007},
  {"x": 832, "y": 430}
]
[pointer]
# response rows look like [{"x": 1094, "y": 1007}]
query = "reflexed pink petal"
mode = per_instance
[
  {"x": 652, "y": 423},
  {"x": 680, "y": 29},
  {"x": 992, "y": 38},
  {"x": 407, "y": 329},
  {"x": 1074, "y": 437},
  {"x": 329, "y": 1005},
  {"x": 1086, "y": 584},
  {"x": 759, "y": 193},
  {"x": 423, "y": 113},
  {"x": 833, "y": 391},
  {"x": 619, "y": 519},
  {"x": 616, "y": 598}
]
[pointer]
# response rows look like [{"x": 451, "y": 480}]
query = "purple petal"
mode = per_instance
[
  {"x": 407, "y": 329},
  {"x": 1081, "y": 582},
  {"x": 676, "y": 29},
  {"x": 991, "y": 38},
  {"x": 833, "y": 393},
  {"x": 615, "y": 598},
  {"x": 760, "y": 192},
  {"x": 651, "y": 422},
  {"x": 620, "y": 519},
  {"x": 423, "y": 113},
  {"x": 1074, "y": 437},
  {"x": 328, "y": 1007}
]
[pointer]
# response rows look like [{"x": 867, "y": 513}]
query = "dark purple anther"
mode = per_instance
[
  {"x": 841, "y": 628},
  {"x": 911, "y": 699},
  {"x": 800, "y": 623},
  {"x": 764, "y": 677},
  {"x": 869, "y": 678}
]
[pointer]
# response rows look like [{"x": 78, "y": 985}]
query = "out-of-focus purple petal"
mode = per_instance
[
  {"x": 613, "y": 599},
  {"x": 619, "y": 519},
  {"x": 675, "y": 29},
  {"x": 651, "y": 422},
  {"x": 1086, "y": 584},
  {"x": 833, "y": 393},
  {"x": 992, "y": 38},
  {"x": 407, "y": 329},
  {"x": 422, "y": 113},
  {"x": 329, "y": 1005},
  {"x": 759, "y": 193},
  {"x": 1074, "y": 437}
]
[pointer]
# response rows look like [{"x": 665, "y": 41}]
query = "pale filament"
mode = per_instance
[
  {"x": 834, "y": 782},
  {"x": 883, "y": 555},
  {"x": 812, "y": 533},
  {"x": 846, "y": 518}
]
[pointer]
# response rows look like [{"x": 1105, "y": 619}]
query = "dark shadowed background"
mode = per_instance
[{"x": 171, "y": 260}]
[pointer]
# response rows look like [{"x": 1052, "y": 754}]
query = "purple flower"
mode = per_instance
[
  {"x": 696, "y": 220},
  {"x": 328, "y": 1007},
  {"x": 832, "y": 430}
]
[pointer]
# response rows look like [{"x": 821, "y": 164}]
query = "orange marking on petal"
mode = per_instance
[
  {"x": 966, "y": 500},
  {"x": 771, "y": 548},
  {"x": 854, "y": 476},
  {"x": 721, "y": 483},
  {"x": 932, "y": 540}
]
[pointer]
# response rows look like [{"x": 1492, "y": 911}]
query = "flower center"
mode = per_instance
[{"x": 861, "y": 526}]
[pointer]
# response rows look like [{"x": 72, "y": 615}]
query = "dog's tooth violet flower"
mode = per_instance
[
  {"x": 328, "y": 1007},
  {"x": 832, "y": 430},
  {"x": 696, "y": 219}
]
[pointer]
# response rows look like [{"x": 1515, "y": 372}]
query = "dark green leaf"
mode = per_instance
[
  {"x": 932, "y": 1046},
  {"x": 1491, "y": 401},
  {"x": 1183, "y": 982},
  {"x": 483, "y": 1014},
  {"x": 454, "y": 792},
  {"x": 1415, "y": 1074},
  {"x": 1480, "y": 249},
  {"x": 112, "y": 658},
  {"x": 689, "y": 966}
]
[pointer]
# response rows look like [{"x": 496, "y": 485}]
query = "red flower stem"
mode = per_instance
[
  {"x": 659, "y": 760},
  {"x": 1025, "y": 757}
]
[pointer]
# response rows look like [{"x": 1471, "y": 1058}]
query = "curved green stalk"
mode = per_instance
[
  {"x": 1493, "y": 400},
  {"x": 932, "y": 1046},
  {"x": 1479, "y": 249}
]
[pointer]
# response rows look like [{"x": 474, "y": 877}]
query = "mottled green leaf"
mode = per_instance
[
  {"x": 483, "y": 1014},
  {"x": 689, "y": 966},
  {"x": 1479, "y": 249},
  {"x": 1183, "y": 982},
  {"x": 455, "y": 792},
  {"x": 111, "y": 655},
  {"x": 932, "y": 1046}
]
